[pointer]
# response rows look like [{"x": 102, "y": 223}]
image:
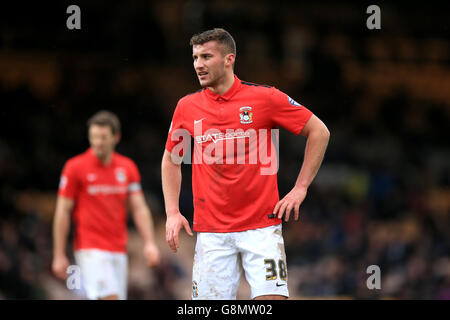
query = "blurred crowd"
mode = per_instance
[{"x": 382, "y": 196}]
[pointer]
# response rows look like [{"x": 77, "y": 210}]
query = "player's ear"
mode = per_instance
[
  {"x": 229, "y": 59},
  {"x": 117, "y": 137}
]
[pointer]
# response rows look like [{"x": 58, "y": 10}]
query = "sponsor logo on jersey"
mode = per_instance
[
  {"x": 246, "y": 115},
  {"x": 293, "y": 102},
  {"x": 91, "y": 177},
  {"x": 106, "y": 189},
  {"x": 212, "y": 147},
  {"x": 214, "y": 137},
  {"x": 198, "y": 121}
]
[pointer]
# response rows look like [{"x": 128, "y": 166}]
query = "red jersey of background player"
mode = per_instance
[
  {"x": 230, "y": 197},
  {"x": 99, "y": 193}
]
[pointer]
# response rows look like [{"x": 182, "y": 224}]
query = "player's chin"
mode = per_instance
[
  {"x": 204, "y": 83},
  {"x": 101, "y": 154}
]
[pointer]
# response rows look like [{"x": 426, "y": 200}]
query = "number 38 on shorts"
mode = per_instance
[{"x": 275, "y": 270}]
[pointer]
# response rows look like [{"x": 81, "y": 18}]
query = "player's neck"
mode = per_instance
[
  {"x": 107, "y": 159},
  {"x": 224, "y": 85}
]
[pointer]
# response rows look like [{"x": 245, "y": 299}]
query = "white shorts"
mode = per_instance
[
  {"x": 103, "y": 273},
  {"x": 220, "y": 257}
]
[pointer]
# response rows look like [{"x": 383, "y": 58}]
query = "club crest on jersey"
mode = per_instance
[
  {"x": 246, "y": 115},
  {"x": 293, "y": 102},
  {"x": 120, "y": 175},
  {"x": 194, "y": 289}
]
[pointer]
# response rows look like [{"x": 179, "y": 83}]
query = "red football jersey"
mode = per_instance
[
  {"x": 100, "y": 193},
  {"x": 234, "y": 164}
]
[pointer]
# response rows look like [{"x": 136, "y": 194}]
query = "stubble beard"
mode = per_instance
[{"x": 213, "y": 82}]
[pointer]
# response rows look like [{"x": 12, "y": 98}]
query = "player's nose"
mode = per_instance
[{"x": 199, "y": 65}]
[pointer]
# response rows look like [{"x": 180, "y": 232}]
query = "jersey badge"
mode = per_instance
[
  {"x": 120, "y": 175},
  {"x": 246, "y": 115}
]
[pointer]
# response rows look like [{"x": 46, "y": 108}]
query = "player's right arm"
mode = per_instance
[
  {"x": 61, "y": 228},
  {"x": 68, "y": 190},
  {"x": 171, "y": 185}
]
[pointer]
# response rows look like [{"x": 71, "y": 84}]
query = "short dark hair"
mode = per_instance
[
  {"x": 220, "y": 35},
  {"x": 105, "y": 118}
]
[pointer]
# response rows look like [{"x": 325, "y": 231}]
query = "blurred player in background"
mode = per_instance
[
  {"x": 94, "y": 188},
  {"x": 237, "y": 211}
]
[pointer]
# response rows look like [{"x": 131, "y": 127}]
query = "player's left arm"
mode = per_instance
[
  {"x": 142, "y": 218},
  {"x": 317, "y": 135}
]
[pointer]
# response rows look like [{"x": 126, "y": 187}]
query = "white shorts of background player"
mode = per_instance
[{"x": 103, "y": 273}]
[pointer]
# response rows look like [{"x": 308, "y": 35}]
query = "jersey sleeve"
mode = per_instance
[
  {"x": 69, "y": 183},
  {"x": 288, "y": 113},
  {"x": 176, "y": 131},
  {"x": 134, "y": 180}
]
